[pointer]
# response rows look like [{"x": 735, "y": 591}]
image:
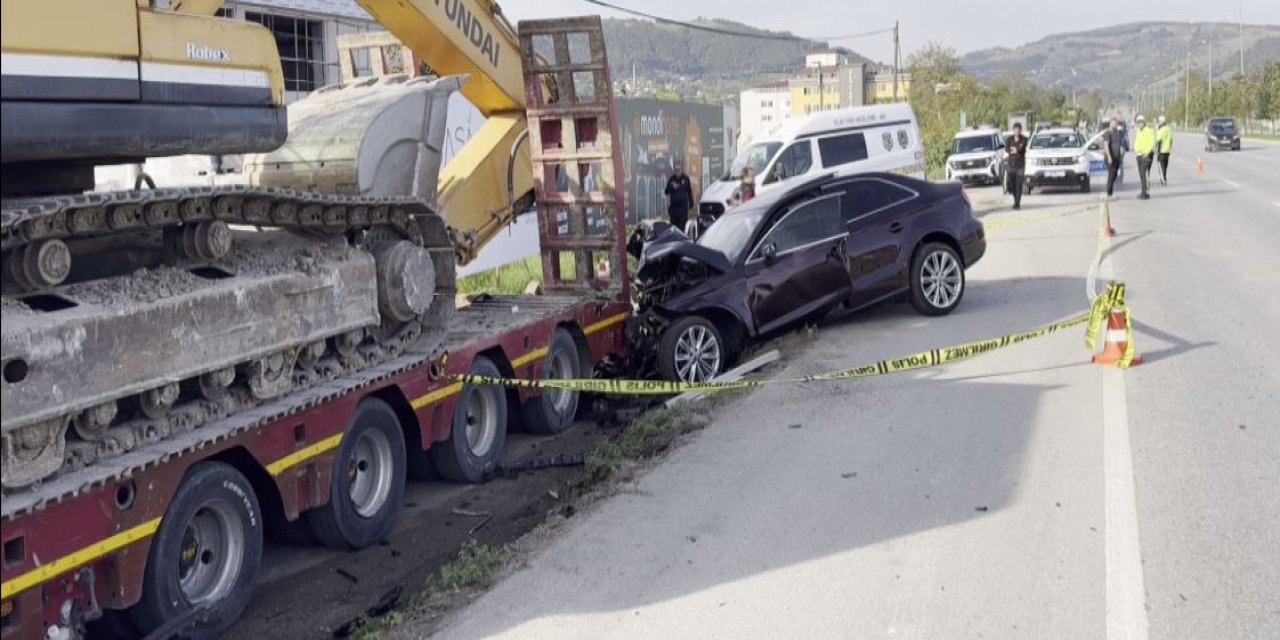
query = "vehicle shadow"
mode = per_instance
[{"x": 800, "y": 473}]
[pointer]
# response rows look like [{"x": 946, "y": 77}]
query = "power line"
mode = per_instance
[{"x": 730, "y": 32}]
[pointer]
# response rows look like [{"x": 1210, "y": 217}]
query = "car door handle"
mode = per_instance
[{"x": 895, "y": 227}]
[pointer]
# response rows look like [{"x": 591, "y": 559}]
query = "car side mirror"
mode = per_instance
[{"x": 769, "y": 251}]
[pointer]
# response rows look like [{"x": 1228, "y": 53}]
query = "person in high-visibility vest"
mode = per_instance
[
  {"x": 1144, "y": 146},
  {"x": 1164, "y": 146}
]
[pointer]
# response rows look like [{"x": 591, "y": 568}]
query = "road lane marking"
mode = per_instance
[
  {"x": 1126, "y": 593},
  {"x": 1233, "y": 183}
]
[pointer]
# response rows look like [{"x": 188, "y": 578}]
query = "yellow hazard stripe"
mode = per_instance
[
  {"x": 921, "y": 360},
  {"x": 605, "y": 324},
  {"x": 435, "y": 396},
  {"x": 301, "y": 455},
  {"x": 532, "y": 356},
  {"x": 77, "y": 559}
]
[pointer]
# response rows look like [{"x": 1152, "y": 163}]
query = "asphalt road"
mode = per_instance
[{"x": 1024, "y": 494}]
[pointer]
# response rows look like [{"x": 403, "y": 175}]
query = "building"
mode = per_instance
[
  {"x": 762, "y": 108},
  {"x": 880, "y": 86},
  {"x": 827, "y": 82}
]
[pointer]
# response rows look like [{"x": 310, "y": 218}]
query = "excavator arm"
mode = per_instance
[{"x": 490, "y": 179}]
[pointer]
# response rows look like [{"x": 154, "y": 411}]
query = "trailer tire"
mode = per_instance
[
  {"x": 212, "y": 533},
  {"x": 553, "y": 410},
  {"x": 366, "y": 492},
  {"x": 478, "y": 432}
]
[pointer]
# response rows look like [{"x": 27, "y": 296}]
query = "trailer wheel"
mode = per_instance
[
  {"x": 478, "y": 433},
  {"x": 205, "y": 554},
  {"x": 366, "y": 492},
  {"x": 553, "y": 410}
]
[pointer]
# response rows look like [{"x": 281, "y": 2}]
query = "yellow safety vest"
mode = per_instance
[
  {"x": 1144, "y": 143},
  {"x": 1165, "y": 137}
]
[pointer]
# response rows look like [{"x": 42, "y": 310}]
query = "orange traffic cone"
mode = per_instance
[
  {"x": 1106, "y": 220},
  {"x": 1200, "y": 166},
  {"x": 1116, "y": 351}
]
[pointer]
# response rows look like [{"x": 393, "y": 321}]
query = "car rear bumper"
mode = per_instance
[{"x": 973, "y": 245}]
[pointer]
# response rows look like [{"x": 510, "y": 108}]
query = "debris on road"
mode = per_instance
[
  {"x": 980, "y": 508},
  {"x": 385, "y": 604},
  {"x": 347, "y": 574},
  {"x": 851, "y": 474}
]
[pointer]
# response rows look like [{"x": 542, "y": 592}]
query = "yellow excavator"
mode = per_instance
[{"x": 159, "y": 307}]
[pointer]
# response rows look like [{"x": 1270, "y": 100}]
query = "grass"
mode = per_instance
[
  {"x": 473, "y": 568},
  {"x": 508, "y": 279}
]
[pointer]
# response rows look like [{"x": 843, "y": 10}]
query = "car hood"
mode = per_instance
[
  {"x": 972, "y": 155},
  {"x": 1055, "y": 153},
  {"x": 671, "y": 246},
  {"x": 720, "y": 191}
]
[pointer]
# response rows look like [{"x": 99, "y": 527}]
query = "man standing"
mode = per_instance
[
  {"x": 1164, "y": 145},
  {"x": 1144, "y": 146},
  {"x": 1015, "y": 153},
  {"x": 679, "y": 197},
  {"x": 1114, "y": 148}
]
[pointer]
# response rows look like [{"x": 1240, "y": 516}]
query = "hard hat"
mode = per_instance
[
  {"x": 1140, "y": 118},
  {"x": 1161, "y": 120}
]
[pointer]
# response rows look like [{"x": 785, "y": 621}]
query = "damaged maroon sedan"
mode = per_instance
[{"x": 784, "y": 258}]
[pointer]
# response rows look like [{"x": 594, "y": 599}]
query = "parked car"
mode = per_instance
[
  {"x": 793, "y": 255},
  {"x": 977, "y": 157},
  {"x": 1221, "y": 133},
  {"x": 1061, "y": 158}
]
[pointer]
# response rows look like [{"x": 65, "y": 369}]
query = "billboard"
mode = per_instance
[{"x": 654, "y": 134}]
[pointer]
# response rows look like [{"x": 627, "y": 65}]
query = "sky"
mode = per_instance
[{"x": 965, "y": 25}]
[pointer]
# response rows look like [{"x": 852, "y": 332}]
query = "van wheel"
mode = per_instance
[
  {"x": 1085, "y": 187},
  {"x": 553, "y": 410},
  {"x": 205, "y": 554},
  {"x": 366, "y": 490},
  {"x": 691, "y": 350},
  {"x": 937, "y": 279},
  {"x": 479, "y": 430}
]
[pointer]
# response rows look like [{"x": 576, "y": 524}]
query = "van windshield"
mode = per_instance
[{"x": 756, "y": 156}]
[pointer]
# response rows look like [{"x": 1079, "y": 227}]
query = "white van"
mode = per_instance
[{"x": 883, "y": 137}]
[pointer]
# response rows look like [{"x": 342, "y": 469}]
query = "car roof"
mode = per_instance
[
  {"x": 832, "y": 121},
  {"x": 974, "y": 133}
]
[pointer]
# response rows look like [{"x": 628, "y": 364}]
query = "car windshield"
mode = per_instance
[
  {"x": 732, "y": 232},
  {"x": 1223, "y": 126},
  {"x": 756, "y": 156},
  {"x": 973, "y": 144},
  {"x": 1056, "y": 141}
]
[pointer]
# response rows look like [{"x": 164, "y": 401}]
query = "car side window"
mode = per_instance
[
  {"x": 844, "y": 149},
  {"x": 862, "y": 197},
  {"x": 793, "y": 161},
  {"x": 807, "y": 223}
]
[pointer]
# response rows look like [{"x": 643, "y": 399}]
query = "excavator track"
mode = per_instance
[{"x": 329, "y": 245}]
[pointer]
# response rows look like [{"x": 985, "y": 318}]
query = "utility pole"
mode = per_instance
[
  {"x": 897, "y": 61},
  {"x": 1186, "y": 103},
  {"x": 1241, "y": 37},
  {"x": 1210, "y": 69}
]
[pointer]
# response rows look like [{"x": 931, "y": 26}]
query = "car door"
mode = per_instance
[
  {"x": 1097, "y": 157},
  {"x": 875, "y": 213},
  {"x": 798, "y": 267}
]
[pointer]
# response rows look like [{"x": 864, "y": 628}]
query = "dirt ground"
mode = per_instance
[{"x": 305, "y": 592}]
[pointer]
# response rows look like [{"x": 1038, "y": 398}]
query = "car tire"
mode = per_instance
[
  {"x": 211, "y": 537},
  {"x": 366, "y": 490},
  {"x": 937, "y": 279},
  {"x": 1085, "y": 187},
  {"x": 478, "y": 433},
  {"x": 554, "y": 410},
  {"x": 690, "y": 341}
]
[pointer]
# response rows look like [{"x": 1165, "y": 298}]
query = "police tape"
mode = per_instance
[
  {"x": 915, "y": 361},
  {"x": 1009, "y": 223}
]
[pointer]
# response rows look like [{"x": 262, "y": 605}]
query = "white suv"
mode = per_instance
[
  {"x": 977, "y": 157},
  {"x": 1060, "y": 157}
]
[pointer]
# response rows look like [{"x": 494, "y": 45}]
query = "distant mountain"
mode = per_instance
[
  {"x": 1116, "y": 59},
  {"x": 688, "y": 61}
]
